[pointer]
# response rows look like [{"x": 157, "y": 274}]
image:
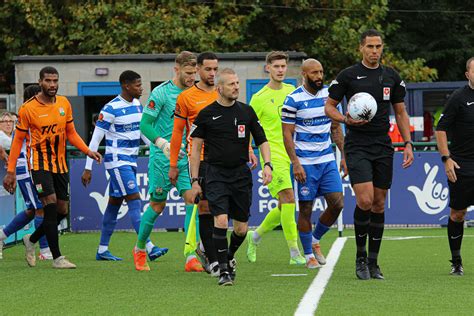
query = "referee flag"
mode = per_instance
[{"x": 191, "y": 243}]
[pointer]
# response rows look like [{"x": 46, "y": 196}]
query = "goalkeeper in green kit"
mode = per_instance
[
  {"x": 157, "y": 126},
  {"x": 267, "y": 104}
]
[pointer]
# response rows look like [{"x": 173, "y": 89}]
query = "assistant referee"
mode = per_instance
[
  {"x": 458, "y": 121},
  {"x": 225, "y": 127}
]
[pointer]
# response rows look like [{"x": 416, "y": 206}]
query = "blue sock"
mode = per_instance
[
  {"x": 320, "y": 230},
  {"x": 134, "y": 211},
  {"x": 108, "y": 223},
  {"x": 42, "y": 242},
  {"x": 17, "y": 223},
  {"x": 306, "y": 241}
]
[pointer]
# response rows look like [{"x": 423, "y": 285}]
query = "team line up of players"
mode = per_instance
[{"x": 298, "y": 125}]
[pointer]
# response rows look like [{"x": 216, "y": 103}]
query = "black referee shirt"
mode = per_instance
[
  {"x": 383, "y": 83},
  {"x": 226, "y": 133},
  {"x": 458, "y": 121}
]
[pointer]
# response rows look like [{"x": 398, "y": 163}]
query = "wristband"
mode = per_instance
[{"x": 269, "y": 164}]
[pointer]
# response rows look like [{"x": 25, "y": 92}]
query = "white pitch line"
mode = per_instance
[
  {"x": 289, "y": 275},
  {"x": 310, "y": 300},
  {"x": 413, "y": 237}
]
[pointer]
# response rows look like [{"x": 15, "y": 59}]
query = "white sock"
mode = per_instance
[
  {"x": 309, "y": 256},
  {"x": 294, "y": 252},
  {"x": 314, "y": 240},
  {"x": 2, "y": 235},
  {"x": 44, "y": 251},
  {"x": 256, "y": 237},
  {"x": 103, "y": 249},
  {"x": 149, "y": 246},
  {"x": 189, "y": 258}
]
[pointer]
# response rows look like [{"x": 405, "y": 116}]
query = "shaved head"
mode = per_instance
[
  {"x": 310, "y": 63},
  {"x": 313, "y": 75}
]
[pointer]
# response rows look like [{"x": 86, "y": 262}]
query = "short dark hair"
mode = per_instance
[
  {"x": 128, "y": 76},
  {"x": 369, "y": 33},
  {"x": 204, "y": 56},
  {"x": 468, "y": 63},
  {"x": 30, "y": 92},
  {"x": 276, "y": 55},
  {"x": 48, "y": 70}
]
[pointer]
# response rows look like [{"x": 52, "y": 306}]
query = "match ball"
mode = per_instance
[{"x": 362, "y": 106}]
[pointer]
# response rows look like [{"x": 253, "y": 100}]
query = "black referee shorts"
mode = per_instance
[
  {"x": 48, "y": 183},
  {"x": 202, "y": 179},
  {"x": 229, "y": 191},
  {"x": 461, "y": 192},
  {"x": 369, "y": 159}
]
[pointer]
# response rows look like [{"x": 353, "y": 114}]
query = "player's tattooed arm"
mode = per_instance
[
  {"x": 298, "y": 170},
  {"x": 338, "y": 138}
]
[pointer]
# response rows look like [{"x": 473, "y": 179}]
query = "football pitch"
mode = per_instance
[{"x": 414, "y": 262}]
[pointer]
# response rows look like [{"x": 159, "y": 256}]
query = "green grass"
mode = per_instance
[{"x": 417, "y": 272}]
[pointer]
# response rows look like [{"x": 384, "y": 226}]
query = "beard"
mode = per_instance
[
  {"x": 316, "y": 85},
  {"x": 48, "y": 93}
]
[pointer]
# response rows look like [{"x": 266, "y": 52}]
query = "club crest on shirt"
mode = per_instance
[
  {"x": 61, "y": 112},
  {"x": 101, "y": 117},
  {"x": 241, "y": 131},
  {"x": 39, "y": 188},
  {"x": 386, "y": 93}
]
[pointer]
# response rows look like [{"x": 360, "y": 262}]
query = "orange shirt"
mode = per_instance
[
  {"x": 188, "y": 105},
  {"x": 47, "y": 126}
]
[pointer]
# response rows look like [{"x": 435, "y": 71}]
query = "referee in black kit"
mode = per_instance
[
  {"x": 368, "y": 148},
  {"x": 225, "y": 127},
  {"x": 458, "y": 121}
]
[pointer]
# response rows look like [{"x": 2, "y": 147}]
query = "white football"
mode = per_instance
[{"x": 362, "y": 106}]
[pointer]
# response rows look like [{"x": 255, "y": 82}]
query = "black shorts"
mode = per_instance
[
  {"x": 229, "y": 191},
  {"x": 48, "y": 183},
  {"x": 461, "y": 192},
  {"x": 202, "y": 179},
  {"x": 369, "y": 159}
]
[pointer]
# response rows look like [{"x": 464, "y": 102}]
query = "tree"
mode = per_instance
[
  {"x": 440, "y": 31},
  {"x": 327, "y": 30}
]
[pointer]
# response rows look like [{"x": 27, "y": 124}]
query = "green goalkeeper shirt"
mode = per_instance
[
  {"x": 158, "y": 114},
  {"x": 267, "y": 103}
]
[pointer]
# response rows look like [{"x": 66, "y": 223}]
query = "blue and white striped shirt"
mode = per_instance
[
  {"x": 312, "y": 126},
  {"x": 120, "y": 120}
]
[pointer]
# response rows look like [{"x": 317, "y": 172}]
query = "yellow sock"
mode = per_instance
[
  {"x": 288, "y": 224},
  {"x": 270, "y": 221}
]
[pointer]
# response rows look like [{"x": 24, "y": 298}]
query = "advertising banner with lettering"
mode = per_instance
[{"x": 419, "y": 196}]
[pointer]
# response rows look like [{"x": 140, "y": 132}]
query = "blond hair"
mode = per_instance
[{"x": 186, "y": 58}]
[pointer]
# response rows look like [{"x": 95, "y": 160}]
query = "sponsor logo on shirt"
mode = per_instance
[{"x": 151, "y": 104}]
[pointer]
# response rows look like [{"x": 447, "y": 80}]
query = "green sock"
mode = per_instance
[
  {"x": 146, "y": 226},
  {"x": 270, "y": 221},
  {"x": 288, "y": 224}
]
